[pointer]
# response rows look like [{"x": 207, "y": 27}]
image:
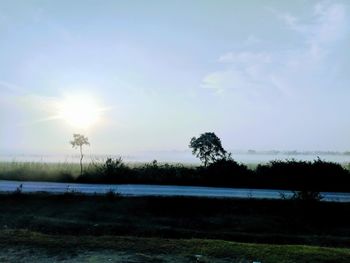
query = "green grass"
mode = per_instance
[
  {"x": 78, "y": 228},
  {"x": 259, "y": 221},
  {"x": 61, "y": 171},
  {"x": 40, "y": 171},
  {"x": 27, "y": 246}
]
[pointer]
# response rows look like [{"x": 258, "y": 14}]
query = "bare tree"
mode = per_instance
[{"x": 78, "y": 141}]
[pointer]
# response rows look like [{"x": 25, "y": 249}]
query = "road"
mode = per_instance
[{"x": 157, "y": 190}]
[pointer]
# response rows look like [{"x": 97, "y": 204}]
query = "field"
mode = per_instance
[
  {"x": 24, "y": 246},
  {"x": 112, "y": 228},
  {"x": 40, "y": 171}
]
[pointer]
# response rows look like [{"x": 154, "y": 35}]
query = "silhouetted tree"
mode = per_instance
[
  {"x": 207, "y": 147},
  {"x": 78, "y": 141}
]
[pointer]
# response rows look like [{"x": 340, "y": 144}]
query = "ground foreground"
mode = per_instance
[
  {"x": 25, "y": 246},
  {"x": 110, "y": 228}
]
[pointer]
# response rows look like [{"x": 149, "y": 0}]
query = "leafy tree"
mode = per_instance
[
  {"x": 78, "y": 142},
  {"x": 207, "y": 147}
]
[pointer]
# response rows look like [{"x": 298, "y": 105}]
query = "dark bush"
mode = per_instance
[
  {"x": 226, "y": 172},
  {"x": 305, "y": 176},
  {"x": 167, "y": 174},
  {"x": 112, "y": 171},
  {"x": 307, "y": 196},
  {"x": 113, "y": 195}
]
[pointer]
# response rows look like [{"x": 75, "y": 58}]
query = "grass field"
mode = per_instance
[
  {"x": 26, "y": 246},
  {"x": 40, "y": 171},
  {"x": 258, "y": 221},
  {"x": 110, "y": 228}
]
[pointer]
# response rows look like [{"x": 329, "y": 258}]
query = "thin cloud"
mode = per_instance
[
  {"x": 11, "y": 87},
  {"x": 47, "y": 106},
  {"x": 245, "y": 57},
  {"x": 279, "y": 71},
  {"x": 327, "y": 25},
  {"x": 253, "y": 40}
]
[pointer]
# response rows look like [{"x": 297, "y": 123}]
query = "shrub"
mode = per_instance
[
  {"x": 307, "y": 196},
  {"x": 18, "y": 191},
  {"x": 227, "y": 172},
  {"x": 112, "y": 171},
  {"x": 112, "y": 195},
  {"x": 303, "y": 175}
]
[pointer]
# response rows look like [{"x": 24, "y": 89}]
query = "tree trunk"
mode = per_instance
[{"x": 81, "y": 160}]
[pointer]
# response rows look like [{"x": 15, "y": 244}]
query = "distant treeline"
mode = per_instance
[
  {"x": 294, "y": 152},
  {"x": 317, "y": 175}
]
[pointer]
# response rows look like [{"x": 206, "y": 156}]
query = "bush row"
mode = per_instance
[{"x": 317, "y": 175}]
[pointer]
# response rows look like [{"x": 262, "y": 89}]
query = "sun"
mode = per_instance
[{"x": 80, "y": 111}]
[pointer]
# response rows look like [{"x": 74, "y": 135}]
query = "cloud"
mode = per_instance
[
  {"x": 9, "y": 93},
  {"x": 39, "y": 103},
  {"x": 245, "y": 71},
  {"x": 228, "y": 79},
  {"x": 281, "y": 72},
  {"x": 327, "y": 24},
  {"x": 9, "y": 87},
  {"x": 245, "y": 57},
  {"x": 291, "y": 21},
  {"x": 330, "y": 23},
  {"x": 25, "y": 108},
  {"x": 14, "y": 98},
  {"x": 252, "y": 40}
]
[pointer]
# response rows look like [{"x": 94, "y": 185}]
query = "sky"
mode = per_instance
[{"x": 260, "y": 74}]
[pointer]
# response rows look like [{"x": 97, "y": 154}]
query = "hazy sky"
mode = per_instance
[{"x": 260, "y": 74}]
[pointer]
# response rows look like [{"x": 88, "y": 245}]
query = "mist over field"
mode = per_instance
[{"x": 185, "y": 157}]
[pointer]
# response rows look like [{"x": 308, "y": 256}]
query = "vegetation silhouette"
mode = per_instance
[
  {"x": 307, "y": 177},
  {"x": 317, "y": 175},
  {"x": 225, "y": 171},
  {"x": 78, "y": 142},
  {"x": 207, "y": 147},
  {"x": 307, "y": 196},
  {"x": 219, "y": 169}
]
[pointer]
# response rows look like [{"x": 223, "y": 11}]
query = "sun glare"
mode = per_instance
[{"x": 80, "y": 111}]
